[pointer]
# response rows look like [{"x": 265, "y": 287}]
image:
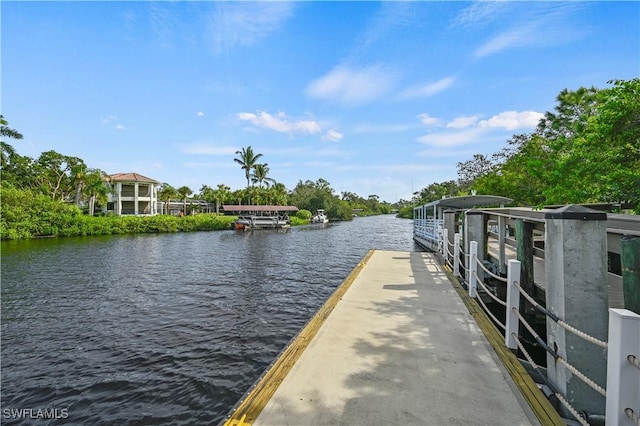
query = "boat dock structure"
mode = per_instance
[
  {"x": 396, "y": 344},
  {"x": 511, "y": 316}
]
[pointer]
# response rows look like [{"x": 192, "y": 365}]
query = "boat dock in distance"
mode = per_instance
[
  {"x": 252, "y": 217},
  {"x": 396, "y": 344}
]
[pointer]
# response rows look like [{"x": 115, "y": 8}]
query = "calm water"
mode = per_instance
[{"x": 164, "y": 329}]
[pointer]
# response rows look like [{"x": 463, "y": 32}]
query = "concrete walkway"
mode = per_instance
[{"x": 400, "y": 348}]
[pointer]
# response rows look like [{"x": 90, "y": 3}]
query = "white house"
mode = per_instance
[{"x": 132, "y": 194}]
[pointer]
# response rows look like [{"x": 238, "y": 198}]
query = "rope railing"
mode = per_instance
[
  {"x": 593, "y": 385},
  {"x": 634, "y": 361},
  {"x": 489, "y": 292},
  {"x": 561, "y": 323},
  {"x": 557, "y": 394},
  {"x": 632, "y": 415},
  {"x": 498, "y": 277},
  {"x": 488, "y": 312}
]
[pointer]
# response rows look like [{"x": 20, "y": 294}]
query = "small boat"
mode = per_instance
[{"x": 320, "y": 217}]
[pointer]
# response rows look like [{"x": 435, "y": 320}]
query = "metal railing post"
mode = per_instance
[
  {"x": 456, "y": 255},
  {"x": 473, "y": 268},
  {"x": 513, "y": 301},
  {"x": 623, "y": 378}
]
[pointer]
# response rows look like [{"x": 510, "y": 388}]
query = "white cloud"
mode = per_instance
[
  {"x": 430, "y": 121},
  {"x": 279, "y": 122},
  {"x": 353, "y": 86},
  {"x": 242, "y": 24},
  {"x": 208, "y": 149},
  {"x": 427, "y": 90},
  {"x": 380, "y": 128},
  {"x": 512, "y": 120},
  {"x": 480, "y": 14},
  {"x": 453, "y": 138},
  {"x": 200, "y": 114},
  {"x": 462, "y": 122},
  {"x": 119, "y": 127},
  {"x": 108, "y": 119},
  {"x": 333, "y": 136}
]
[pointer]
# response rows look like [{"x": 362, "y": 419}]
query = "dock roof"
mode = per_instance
[
  {"x": 470, "y": 201},
  {"x": 251, "y": 208}
]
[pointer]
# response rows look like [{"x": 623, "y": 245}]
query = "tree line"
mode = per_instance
[
  {"x": 587, "y": 150},
  {"x": 47, "y": 195}
]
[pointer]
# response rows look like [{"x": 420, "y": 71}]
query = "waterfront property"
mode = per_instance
[{"x": 133, "y": 194}]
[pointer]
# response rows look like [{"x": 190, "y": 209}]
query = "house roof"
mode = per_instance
[
  {"x": 130, "y": 177},
  {"x": 249, "y": 208}
]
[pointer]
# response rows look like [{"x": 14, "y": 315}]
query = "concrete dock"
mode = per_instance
[{"x": 396, "y": 345}]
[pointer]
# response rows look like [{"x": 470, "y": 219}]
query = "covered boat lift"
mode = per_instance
[{"x": 260, "y": 217}]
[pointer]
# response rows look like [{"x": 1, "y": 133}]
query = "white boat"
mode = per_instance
[{"x": 320, "y": 217}]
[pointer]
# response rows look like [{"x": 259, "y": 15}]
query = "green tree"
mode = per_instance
[
  {"x": 247, "y": 160},
  {"x": 260, "y": 175},
  {"x": 183, "y": 194},
  {"x": 165, "y": 194},
  {"x": 95, "y": 188}
]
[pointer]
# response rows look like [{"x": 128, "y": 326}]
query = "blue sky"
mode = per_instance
[{"x": 376, "y": 98}]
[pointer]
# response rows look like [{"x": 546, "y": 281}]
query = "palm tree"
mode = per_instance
[
  {"x": 247, "y": 160},
  {"x": 166, "y": 193},
  {"x": 183, "y": 193},
  {"x": 260, "y": 172},
  {"x": 95, "y": 186}
]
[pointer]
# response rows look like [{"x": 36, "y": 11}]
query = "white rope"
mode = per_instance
[
  {"x": 488, "y": 312},
  {"x": 583, "y": 335},
  {"x": 634, "y": 361},
  {"x": 449, "y": 253},
  {"x": 593, "y": 385},
  {"x": 557, "y": 394},
  {"x": 633, "y": 416},
  {"x": 489, "y": 292},
  {"x": 561, "y": 323},
  {"x": 498, "y": 277}
]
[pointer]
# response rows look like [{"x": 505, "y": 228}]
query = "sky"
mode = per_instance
[{"x": 377, "y": 98}]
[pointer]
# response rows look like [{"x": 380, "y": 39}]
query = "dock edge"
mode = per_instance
[{"x": 253, "y": 402}]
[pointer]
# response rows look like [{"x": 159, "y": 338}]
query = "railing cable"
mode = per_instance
[
  {"x": 632, "y": 415},
  {"x": 557, "y": 394},
  {"x": 488, "y": 312},
  {"x": 593, "y": 385},
  {"x": 498, "y": 277},
  {"x": 634, "y": 361},
  {"x": 560, "y": 322},
  {"x": 489, "y": 292}
]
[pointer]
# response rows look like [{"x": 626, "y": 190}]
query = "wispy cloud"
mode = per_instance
[
  {"x": 462, "y": 122},
  {"x": 549, "y": 24},
  {"x": 238, "y": 24},
  {"x": 280, "y": 122},
  {"x": 208, "y": 149},
  {"x": 333, "y": 136},
  {"x": 380, "y": 128},
  {"x": 200, "y": 114},
  {"x": 466, "y": 130},
  {"x": 350, "y": 86},
  {"x": 480, "y": 14},
  {"x": 512, "y": 120},
  {"x": 428, "y": 89},
  {"x": 430, "y": 121}
]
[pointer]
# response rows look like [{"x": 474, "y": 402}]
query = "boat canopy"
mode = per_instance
[{"x": 253, "y": 209}]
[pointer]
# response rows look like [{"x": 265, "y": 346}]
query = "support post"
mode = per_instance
[
  {"x": 445, "y": 245},
  {"x": 473, "y": 268},
  {"x": 623, "y": 379},
  {"x": 456, "y": 255},
  {"x": 630, "y": 259},
  {"x": 513, "y": 301},
  {"x": 501, "y": 244},
  {"x": 576, "y": 277},
  {"x": 477, "y": 231}
]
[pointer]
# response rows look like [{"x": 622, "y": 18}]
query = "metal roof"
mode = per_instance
[
  {"x": 470, "y": 201},
  {"x": 250, "y": 208}
]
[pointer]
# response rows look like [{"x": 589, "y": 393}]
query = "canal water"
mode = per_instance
[{"x": 164, "y": 328}]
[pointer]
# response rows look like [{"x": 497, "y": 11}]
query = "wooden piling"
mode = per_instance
[{"x": 630, "y": 259}]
